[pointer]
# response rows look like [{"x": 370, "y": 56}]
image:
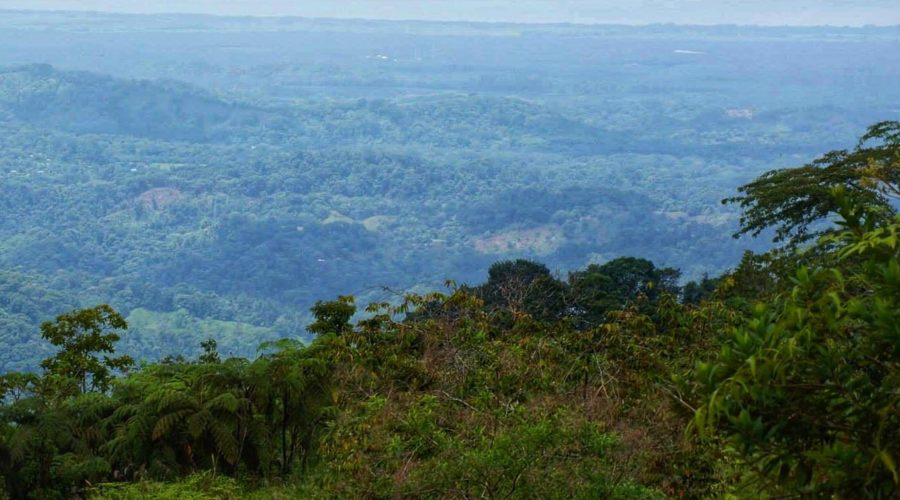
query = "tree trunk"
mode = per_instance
[{"x": 284, "y": 430}]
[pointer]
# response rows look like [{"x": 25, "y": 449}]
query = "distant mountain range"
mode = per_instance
[{"x": 762, "y": 12}]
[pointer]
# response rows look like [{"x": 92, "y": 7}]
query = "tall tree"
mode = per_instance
[
  {"x": 86, "y": 339},
  {"x": 333, "y": 316},
  {"x": 524, "y": 286},
  {"x": 599, "y": 289},
  {"x": 293, "y": 390}
]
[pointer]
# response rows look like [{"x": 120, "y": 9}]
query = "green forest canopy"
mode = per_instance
[
  {"x": 191, "y": 213},
  {"x": 214, "y": 177},
  {"x": 782, "y": 371}
]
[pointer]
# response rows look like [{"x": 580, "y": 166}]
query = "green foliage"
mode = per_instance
[
  {"x": 695, "y": 292},
  {"x": 527, "y": 386},
  {"x": 181, "y": 333},
  {"x": 164, "y": 198},
  {"x": 793, "y": 200},
  {"x": 333, "y": 317},
  {"x": 524, "y": 287},
  {"x": 806, "y": 391},
  {"x": 200, "y": 486},
  {"x": 82, "y": 336},
  {"x": 455, "y": 402},
  {"x": 588, "y": 296},
  {"x": 613, "y": 286},
  {"x": 430, "y": 396},
  {"x": 164, "y": 420},
  {"x": 530, "y": 456}
]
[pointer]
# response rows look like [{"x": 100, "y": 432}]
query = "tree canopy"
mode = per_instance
[
  {"x": 525, "y": 386},
  {"x": 796, "y": 202},
  {"x": 82, "y": 338}
]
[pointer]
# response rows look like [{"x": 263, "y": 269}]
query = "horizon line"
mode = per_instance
[{"x": 446, "y": 21}]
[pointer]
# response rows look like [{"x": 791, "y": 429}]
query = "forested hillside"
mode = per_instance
[
  {"x": 225, "y": 245},
  {"x": 236, "y": 213},
  {"x": 215, "y": 176},
  {"x": 775, "y": 379}
]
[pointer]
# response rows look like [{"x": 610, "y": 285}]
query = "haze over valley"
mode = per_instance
[
  {"x": 198, "y": 171},
  {"x": 372, "y": 249}
]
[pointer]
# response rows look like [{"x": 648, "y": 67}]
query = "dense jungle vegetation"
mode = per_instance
[
  {"x": 224, "y": 246},
  {"x": 776, "y": 379},
  {"x": 214, "y": 177}
]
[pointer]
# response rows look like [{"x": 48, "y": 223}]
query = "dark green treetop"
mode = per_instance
[
  {"x": 333, "y": 316},
  {"x": 793, "y": 200},
  {"x": 524, "y": 286},
  {"x": 599, "y": 289},
  {"x": 83, "y": 337}
]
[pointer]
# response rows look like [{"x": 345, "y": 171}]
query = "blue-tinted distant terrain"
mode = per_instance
[
  {"x": 634, "y": 12},
  {"x": 215, "y": 176}
]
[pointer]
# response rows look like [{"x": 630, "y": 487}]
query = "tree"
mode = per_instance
[
  {"x": 805, "y": 391},
  {"x": 524, "y": 286},
  {"x": 82, "y": 337},
  {"x": 333, "y": 316},
  {"x": 210, "y": 352},
  {"x": 695, "y": 292},
  {"x": 292, "y": 391},
  {"x": 599, "y": 289},
  {"x": 794, "y": 200}
]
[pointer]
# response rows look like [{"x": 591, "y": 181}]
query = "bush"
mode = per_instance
[{"x": 806, "y": 391}]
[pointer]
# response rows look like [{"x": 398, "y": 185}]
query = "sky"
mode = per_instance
[{"x": 762, "y": 12}]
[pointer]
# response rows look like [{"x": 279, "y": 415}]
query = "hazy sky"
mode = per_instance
[{"x": 768, "y": 12}]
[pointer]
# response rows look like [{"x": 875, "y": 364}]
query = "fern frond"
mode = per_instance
[
  {"x": 167, "y": 422},
  {"x": 226, "y": 401},
  {"x": 226, "y": 444},
  {"x": 197, "y": 423}
]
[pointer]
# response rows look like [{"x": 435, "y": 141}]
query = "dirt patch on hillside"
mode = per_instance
[
  {"x": 158, "y": 198},
  {"x": 540, "y": 240}
]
